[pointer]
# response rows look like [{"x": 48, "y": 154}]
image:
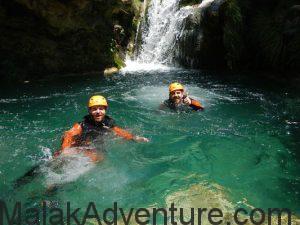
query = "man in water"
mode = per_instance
[
  {"x": 94, "y": 126},
  {"x": 79, "y": 139},
  {"x": 178, "y": 99}
]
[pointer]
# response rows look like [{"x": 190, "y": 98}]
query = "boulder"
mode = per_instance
[{"x": 111, "y": 71}]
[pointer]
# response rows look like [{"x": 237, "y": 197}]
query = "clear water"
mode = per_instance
[{"x": 244, "y": 141}]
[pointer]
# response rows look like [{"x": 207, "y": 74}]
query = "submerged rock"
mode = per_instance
[
  {"x": 203, "y": 196},
  {"x": 209, "y": 196},
  {"x": 200, "y": 196}
]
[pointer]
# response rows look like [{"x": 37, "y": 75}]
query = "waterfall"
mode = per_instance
[
  {"x": 164, "y": 22},
  {"x": 160, "y": 31}
]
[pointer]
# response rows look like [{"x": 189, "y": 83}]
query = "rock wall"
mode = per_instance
[
  {"x": 200, "y": 45},
  {"x": 41, "y": 38},
  {"x": 45, "y": 37},
  {"x": 239, "y": 35}
]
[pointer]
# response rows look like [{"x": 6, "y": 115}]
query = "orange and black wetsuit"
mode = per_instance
[
  {"x": 195, "y": 105},
  {"x": 83, "y": 133}
]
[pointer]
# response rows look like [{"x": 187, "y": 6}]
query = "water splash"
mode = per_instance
[
  {"x": 135, "y": 66},
  {"x": 66, "y": 169},
  {"x": 165, "y": 22},
  {"x": 47, "y": 154}
]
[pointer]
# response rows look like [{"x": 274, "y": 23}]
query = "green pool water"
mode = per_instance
[{"x": 244, "y": 142}]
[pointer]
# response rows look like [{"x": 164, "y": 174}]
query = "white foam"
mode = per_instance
[
  {"x": 65, "y": 169},
  {"x": 205, "y": 3},
  {"x": 134, "y": 66},
  {"x": 47, "y": 154}
]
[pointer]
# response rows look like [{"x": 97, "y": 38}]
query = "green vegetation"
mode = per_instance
[
  {"x": 136, "y": 5},
  {"x": 118, "y": 60},
  {"x": 276, "y": 32},
  {"x": 262, "y": 35},
  {"x": 259, "y": 35}
]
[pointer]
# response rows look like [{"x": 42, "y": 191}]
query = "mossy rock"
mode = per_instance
[
  {"x": 110, "y": 71},
  {"x": 56, "y": 37}
]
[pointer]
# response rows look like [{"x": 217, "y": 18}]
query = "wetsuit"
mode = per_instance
[
  {"x": 81, "y": 134},
  {"x": 195, "y": 105}
]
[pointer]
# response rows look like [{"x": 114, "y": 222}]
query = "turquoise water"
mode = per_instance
[{"x": 244, "y": 141}]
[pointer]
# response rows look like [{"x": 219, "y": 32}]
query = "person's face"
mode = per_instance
[
  {"x": 97, "y": 112},
  {"x": 177, "y": 96}
]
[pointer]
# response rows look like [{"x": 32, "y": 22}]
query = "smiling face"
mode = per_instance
[
  {"x": 97, "y": 112},
  {"x": 176, "y": 96}
]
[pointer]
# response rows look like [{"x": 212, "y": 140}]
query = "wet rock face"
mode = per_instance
[
  {"x": 200, "y": 45},
  {"x": 43, "y": 37},
  {"x": 251, "y": 35}
]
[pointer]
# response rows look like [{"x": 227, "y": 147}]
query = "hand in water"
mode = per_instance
[{"x": 141, "y": 139}]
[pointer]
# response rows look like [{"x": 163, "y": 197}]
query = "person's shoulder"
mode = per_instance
[
  {"x": 196, "y": 105},
  {"x": 75, "y": 129},
  {"x": 167, "y": 101}
]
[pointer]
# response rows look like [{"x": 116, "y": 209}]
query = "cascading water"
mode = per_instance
[
  {"x": 160, "y": 31},
  {"x": 164, "y": 26}
]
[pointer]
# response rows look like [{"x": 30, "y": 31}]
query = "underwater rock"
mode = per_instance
[
  {"x": 201, "y": 196},
  {"x": 209, "y": 196}
]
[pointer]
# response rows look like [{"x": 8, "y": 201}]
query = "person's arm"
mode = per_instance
[
  {"x": 127, "y": 135},
  {"x": 196, "y": 105},
  {"x": 69, "y": 138}
]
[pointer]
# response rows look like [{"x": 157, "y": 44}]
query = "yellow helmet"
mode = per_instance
[
  {"x": 97, "y": 100},
  {"x": 175, "y": 87}
]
